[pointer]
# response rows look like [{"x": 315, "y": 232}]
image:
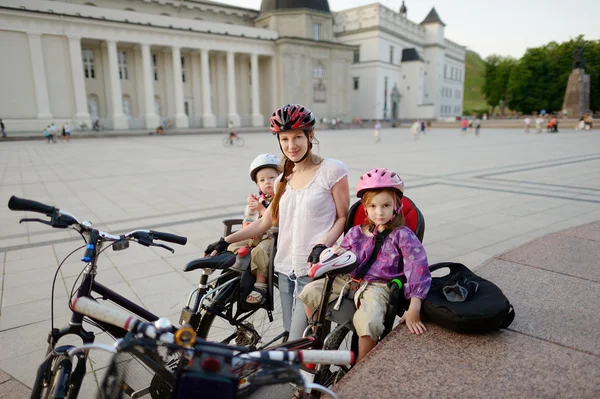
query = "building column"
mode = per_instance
[
  {"x": 152, "y": 120},
  {"x": 257, "y": 118},
  {"x": 39, "y": 76},
  {"x": 119, "y": 119},
  {"x": 81, "y": 107},
  {"x": 208, "y": 118},
  {"x": 232, "y": 114},
  {"x": 196, "y": 88},
  {"x": 181, "y": 119}
]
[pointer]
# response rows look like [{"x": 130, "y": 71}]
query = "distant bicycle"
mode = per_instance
[
  {"x": 98, "y": 126},
  {"x": 83, "y": 127},
  {"x": 233, "y": 139}
]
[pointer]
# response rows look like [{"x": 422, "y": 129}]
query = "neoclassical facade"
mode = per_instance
[{"x": 133, "y": 63}]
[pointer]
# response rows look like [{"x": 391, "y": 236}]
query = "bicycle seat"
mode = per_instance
[
  {"x": 332, "y": 264},
  {"x": 221, "y": 261}
]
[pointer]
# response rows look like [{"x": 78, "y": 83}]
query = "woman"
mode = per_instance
[{"x": 310, "y": 205}]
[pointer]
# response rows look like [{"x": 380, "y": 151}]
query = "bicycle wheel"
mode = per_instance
[
  {"x": 52, "y": 379},
  {"x": 342, "y": 338},
  {"x": 239, "y": 142},
  {"x": 244, "y": 328},
  {"x": 227, "y": 141}
]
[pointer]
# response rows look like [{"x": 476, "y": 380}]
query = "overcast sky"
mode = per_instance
[{"x": 506, "y": 27}]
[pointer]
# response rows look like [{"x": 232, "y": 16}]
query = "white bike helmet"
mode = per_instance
[
  {"x": 263, "y": 161},
  {"x": 329, "y": 261}
]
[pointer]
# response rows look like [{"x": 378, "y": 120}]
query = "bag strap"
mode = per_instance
[
  {"x": 379, "y": 239},
  {"x": 454, "y": 267}
]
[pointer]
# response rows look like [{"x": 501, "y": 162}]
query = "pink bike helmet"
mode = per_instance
[{"x": 378, "y": 179}]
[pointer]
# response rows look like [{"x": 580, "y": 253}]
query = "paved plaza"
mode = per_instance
[{"x": 480, "y": 196}]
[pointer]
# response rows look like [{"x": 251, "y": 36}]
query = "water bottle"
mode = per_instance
[{"x": 249, "y": 216}]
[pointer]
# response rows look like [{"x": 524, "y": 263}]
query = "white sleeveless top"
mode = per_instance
[{"x": 305, "y": 216}]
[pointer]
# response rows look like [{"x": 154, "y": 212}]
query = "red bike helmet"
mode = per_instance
[{"x": 292, "y": 117}]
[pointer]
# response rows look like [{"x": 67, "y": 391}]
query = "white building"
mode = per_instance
[
  {"x": 402, "y": 70},
  {"x": 133, "y": 63}
]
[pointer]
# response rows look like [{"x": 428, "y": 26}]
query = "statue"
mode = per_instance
[{"x": 578, "y": 60}]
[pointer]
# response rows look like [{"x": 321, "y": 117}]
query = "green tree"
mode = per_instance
[{"x": 497, "y": 74}]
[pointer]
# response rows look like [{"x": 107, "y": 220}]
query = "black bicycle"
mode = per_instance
[
  {"x": 202, "y": 369},
  {"x": 58, "y": 376}
]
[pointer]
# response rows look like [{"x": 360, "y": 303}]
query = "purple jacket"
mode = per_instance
[{"x": 401, "y": 242}]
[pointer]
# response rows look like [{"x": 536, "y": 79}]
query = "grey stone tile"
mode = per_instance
[
  {"x": 498, "y": 365},
  {"x": 31, "y": 293},
  {"x": 589, "y": 231},
  {"x": 29, "y": 253},
  {"x": 22, "y": 265},
  {"x": 13, "y": 389},
  {"x": 145, "y": 269},
  {"x": 551, "y": 306},
  {"x": 28, "y": 277},
  {"x": 32, "y": 312},
  {"x": 155, "y": 285}
]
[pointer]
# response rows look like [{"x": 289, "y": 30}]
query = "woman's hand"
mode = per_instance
[{"x": 412, "y": 317}]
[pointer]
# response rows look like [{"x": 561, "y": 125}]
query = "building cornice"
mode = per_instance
[
  {"x": 293, "y": 11},
  {"x": 382, "y": 29},
  {"x": 319, "y": 43},
  {"x": 454, "y": 58}
]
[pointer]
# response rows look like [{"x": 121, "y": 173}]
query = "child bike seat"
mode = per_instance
[{"x": 221, "y": 261}]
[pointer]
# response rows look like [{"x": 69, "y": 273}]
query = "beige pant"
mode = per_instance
[
  {"x": 372, "y": 299},
  {"x": 260, "y": 254}
]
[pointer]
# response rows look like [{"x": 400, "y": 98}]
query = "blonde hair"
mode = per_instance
[
  {"x": 396, "y": 221},
  {"x": 287, "y": 168}
]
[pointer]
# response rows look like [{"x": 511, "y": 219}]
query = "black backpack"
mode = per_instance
[{"x": 465, "y": 302}]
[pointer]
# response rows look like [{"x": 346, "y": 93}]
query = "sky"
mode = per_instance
[{"x": 505, "y": 27}]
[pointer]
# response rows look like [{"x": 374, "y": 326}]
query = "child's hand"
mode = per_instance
[
  {"x": 412, "y": 317},
  {"x": 338, "y": 250}
]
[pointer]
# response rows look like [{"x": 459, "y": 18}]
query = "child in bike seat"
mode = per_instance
[
  {"x": 401, "y": 257},
  {"x": 263, "y": 172}
]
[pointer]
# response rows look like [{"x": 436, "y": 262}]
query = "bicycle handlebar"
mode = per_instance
[
  {"x": 175, "y": 239},
  {"x": 22, "y": 204}
]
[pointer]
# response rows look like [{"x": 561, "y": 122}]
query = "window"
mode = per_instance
[
  {"x": 391, "y": 54},
  {"x": 154, "y": 67},
  {"x": 451, "y": 72},
  {"x": 445, "y": 70},
  {"x": 356, "y": 56},
  {"x": 88, "y": 63},
  {"x": 317, "y": 31},
  {"x": 318, "y": 71},
  {"x": 182, "y": 69},
  {"x": 123, "y": 75},
  {"x": 355, "y": 83}
]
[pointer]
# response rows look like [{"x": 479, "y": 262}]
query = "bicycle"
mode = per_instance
[
  {"x": 97, "y": 126},
  {"x": 83, "y": 127},
  {"x": 49, "y": 382},
  {"x": 203, "y": 369},
  {"x": 233, "y": 139}
]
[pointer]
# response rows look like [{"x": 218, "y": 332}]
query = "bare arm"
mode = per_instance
[
  {"x": 341, "y": 197},
  {"x": 254, "y": 229}
]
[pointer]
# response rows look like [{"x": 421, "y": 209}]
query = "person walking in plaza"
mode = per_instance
[
  {"x": 401, "y": 255},
  {"x": 2, "y": 128},
  {"x": 48, "y": 134},
  {"x": 464, "y": 125},
  {"x": 53, "y": 130},
  {"x": 377, "y": 130},
  {"x": 538, "y": 124},
  {"x": 423, "y": 127},
  {"x": 477, "y": 123},
  {"x": 310, "y": 206},
  {"x": 414, "y": 129},
  {"x": 527, "y": 121},
  {"x": 67, "y": 130}
]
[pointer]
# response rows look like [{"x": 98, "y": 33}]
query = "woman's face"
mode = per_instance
[{"x": 294, "y": 144}]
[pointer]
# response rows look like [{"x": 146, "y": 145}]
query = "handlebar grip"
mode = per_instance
[
  {"x": 326, "y": 356},
  {"x": 91, "y": 308},
  {"x": 22, "y": 204},
  {"x": 90, "y": 248},
  {"x": 175, "y": 239}
]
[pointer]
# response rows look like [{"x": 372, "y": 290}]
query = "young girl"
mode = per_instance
[
  {"x": 263, "y": 172},
  {"x": 310, "y": 205},
  {"x": 401, "y": 254}
]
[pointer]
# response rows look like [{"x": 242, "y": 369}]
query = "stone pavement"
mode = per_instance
[{"x": 480, "y": 196}]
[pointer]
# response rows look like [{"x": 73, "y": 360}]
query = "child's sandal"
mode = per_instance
[{"x": 257, "y": 296}]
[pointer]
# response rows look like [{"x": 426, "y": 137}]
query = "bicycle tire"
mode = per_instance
[
  {"x": 227, "y": 142},
  {"x": 328, "y": 375},
  {"x": 56, "y": 384},
  {"x": 221, "y": 330},
  {"x": 239, "y": 142}
]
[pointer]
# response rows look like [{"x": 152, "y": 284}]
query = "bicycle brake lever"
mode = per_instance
[
  {"x": 35, "y": 220},
  {"x": 163, "y": 246}
]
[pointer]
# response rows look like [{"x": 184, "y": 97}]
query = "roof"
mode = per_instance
[
  {"x": 432, "y": 17},
  {"x": 278, "y": 5},
  {"x": 410, "y": 54}
]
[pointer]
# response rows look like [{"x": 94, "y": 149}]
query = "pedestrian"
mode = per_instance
[
  {"x": 3, "y": 129},
  {"x": 377, "y": 130},
  {"x": 527, "y": 124},
  {"x": 414, "y": 129},
  {"x": 48, "y": 134},
  {"x": 67, "y": 130},
  {"x": 464, "y": 125},
  {"x": 477, "y": 124},
  {"x": 423, "y": 127},
  {"x": 538, "y": 124}
]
